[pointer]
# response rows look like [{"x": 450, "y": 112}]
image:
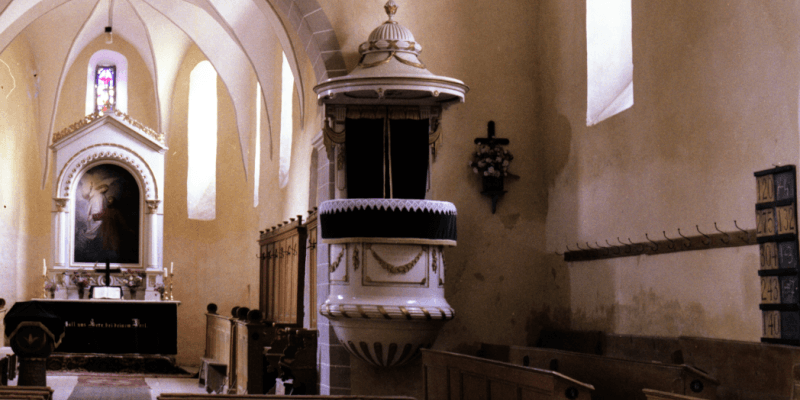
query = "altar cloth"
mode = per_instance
[{"x": 117, "y": 326}]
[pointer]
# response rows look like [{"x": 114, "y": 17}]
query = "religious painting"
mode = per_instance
[{"x": 107, "y": 208}]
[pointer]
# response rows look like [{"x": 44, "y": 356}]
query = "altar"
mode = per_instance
[{"x": 117, "y": 326}]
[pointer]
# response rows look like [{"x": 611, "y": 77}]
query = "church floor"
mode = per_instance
[{"x": 63, "y": 385}]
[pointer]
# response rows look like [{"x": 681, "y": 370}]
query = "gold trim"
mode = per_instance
[
  {"x": 425, "y": 311},
  {"x": 376, "y": 63},
  {"x": 61, "y": 203},
  {"x": 378, "y": 240},
  {"x": 399, "y": 269},
  {"x": 411, "y": 63},
  {"x": 89, "y": 119},
  {"x": 361, "y": 311},
  {"x": 332, "y": 135},
  {"x": 341, "y": 310},
  {"x": 405, "y": 312},
  {"x": 355, "y": 258},
  {"x": 335, "y": 265}
]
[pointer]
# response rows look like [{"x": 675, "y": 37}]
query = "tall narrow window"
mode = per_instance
[
  {"x": 257, "y": 172},
  {"x": 609, "y": 59},
  {"x": 103, "y": 59},
  {"x": 105, "y": 88},
  {"x": 287, "y": 84},
  {"x": 201, "y": 180}
]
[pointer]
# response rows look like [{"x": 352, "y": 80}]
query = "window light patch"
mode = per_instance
[
  {"x": 257, "y": 172},
  {"x": 201, "y": 181},
  {"x": 609, "y": 59},
  {"x": 287, "y": 85}
]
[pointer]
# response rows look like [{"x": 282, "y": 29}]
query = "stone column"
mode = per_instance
[
  {"x": 332, "y": 358},
  {"x": 152, "y": 234},
  {"x": 60, "y": 226}
]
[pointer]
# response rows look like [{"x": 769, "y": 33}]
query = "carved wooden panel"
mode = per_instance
[{"x": 282, "y": 273}]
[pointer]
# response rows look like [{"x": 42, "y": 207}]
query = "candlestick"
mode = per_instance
[
  {"x": 171, "y": 266},
  {"x": 44, "y": 265}
]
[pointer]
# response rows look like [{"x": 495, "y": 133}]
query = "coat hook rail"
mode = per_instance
[{"x": 735, "y": 238}]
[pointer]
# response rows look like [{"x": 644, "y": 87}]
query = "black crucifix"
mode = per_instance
[
  {"x": 107, "y": 270},
  {"x": 492, "y": 185}
]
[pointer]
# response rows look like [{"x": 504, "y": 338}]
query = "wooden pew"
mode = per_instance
[
  {"x": 659, "y": 395},
  {"x": 615, "y": 378},
  {"x": 26, "y": 392},
  {"x": 745, "y": 370},
  {"x": 182, "y": 396},
  {"x": 451, "y": 376},
  {"x": 217, "y": 362}
]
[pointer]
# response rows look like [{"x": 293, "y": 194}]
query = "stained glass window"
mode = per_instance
[{"x": 106, "y": 88}]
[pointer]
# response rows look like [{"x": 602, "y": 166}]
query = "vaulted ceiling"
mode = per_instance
[{"x": 233, "y": 35}]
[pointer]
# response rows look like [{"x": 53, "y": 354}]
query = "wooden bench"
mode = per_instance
[
  {"x": 614, "y": 378},
  {"x": 216, "y": 365},
  {"x": 26, "y": 392},
  {"x": 745, "y": 370},
  {"x": 182, "y": 396},
  {"x": 451, "y": 376},
  {"x": 659, "y": 395}
]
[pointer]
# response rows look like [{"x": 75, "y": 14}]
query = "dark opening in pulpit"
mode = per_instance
[{"x": 117, "y": 326}]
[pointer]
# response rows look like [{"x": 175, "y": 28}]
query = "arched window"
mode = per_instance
[
  {"x": 201, "y": 177},
  {"x": 107, "y": 79},
  {"x": 105, "y": 84},
  {"x": 257, "y": 172},
  {"x": 609, "y": 59},
  {"x": 287, "y": 123}
]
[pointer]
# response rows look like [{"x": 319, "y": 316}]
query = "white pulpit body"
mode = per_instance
[{"x": 108, "y": 208}]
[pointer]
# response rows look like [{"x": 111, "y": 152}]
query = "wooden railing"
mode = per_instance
[{"x": 450, "y": 376}]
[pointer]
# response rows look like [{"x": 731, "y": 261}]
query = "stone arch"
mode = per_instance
[
  {"x": 316, "y": 33},
  {"x": 103, "y": 153}
]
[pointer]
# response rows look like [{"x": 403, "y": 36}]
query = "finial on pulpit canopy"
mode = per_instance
[{"x": 391, "y": 9}]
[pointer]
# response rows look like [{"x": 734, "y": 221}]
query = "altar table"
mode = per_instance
[{"x": 117, "y": 326}]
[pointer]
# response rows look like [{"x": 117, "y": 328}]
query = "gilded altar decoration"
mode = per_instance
[{"x": 68, "y": 131}]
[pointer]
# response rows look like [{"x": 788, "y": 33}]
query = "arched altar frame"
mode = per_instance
[{"x": 68, "y": 178}]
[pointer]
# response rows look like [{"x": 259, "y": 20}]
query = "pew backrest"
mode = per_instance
[
  {"x": 616, "y": 378},
  {"x": 659, "y": 395},
  {"x": 188, "y": 396},
  {"x": 451, "y": 376}
]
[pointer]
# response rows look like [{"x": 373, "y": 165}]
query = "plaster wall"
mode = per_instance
[
  {"x": 216, "y": 261},
  {"x": 24, "y": 211},
  {"x": 716, "y": 89}
]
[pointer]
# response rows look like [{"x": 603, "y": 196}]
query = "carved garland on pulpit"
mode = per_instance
[{"x": 107, "y": 151}]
